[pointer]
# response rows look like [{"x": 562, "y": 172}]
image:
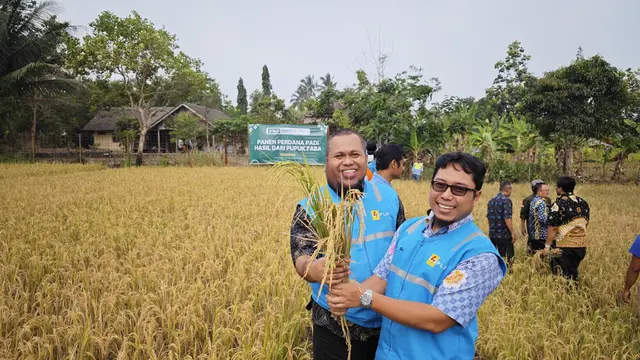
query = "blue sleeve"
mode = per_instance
[
  {"x": 465, "y": 289},
  {"x": 507, "y": 209},
  {"x": 372, "y": 166},
  {"x": 543, "y": 214},
  {"x": 635, "y": 247}
]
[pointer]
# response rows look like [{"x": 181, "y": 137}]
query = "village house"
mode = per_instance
[{"x": 102, "y": 128}]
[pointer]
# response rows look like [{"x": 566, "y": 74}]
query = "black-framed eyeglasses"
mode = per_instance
[{"x": 456, "y": 190}]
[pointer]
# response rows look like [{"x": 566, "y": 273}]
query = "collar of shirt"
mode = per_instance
[
  {"x": 428, "y": 232},
  {"x": 380, "y": 178}
]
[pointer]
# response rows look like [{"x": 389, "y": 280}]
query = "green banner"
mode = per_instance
[{"x": 270, "y": 144}]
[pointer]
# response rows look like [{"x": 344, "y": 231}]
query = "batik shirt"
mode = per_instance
[
  {"x": 538, "y": 219},
  {"x": 571, "y": 215}
]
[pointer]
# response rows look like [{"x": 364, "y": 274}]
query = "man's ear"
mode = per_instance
[{"x": 477, "y": 197}]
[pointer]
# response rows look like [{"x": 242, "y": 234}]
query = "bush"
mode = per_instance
[{"x": 501, "y": 169}]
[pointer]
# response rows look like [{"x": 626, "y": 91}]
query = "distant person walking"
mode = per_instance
[
  {"x": 538, "y": 218},
  {"x": 499, "y": 215},
  {"x": 568, "y": 221},
  {"x": 416, "y": 170}
]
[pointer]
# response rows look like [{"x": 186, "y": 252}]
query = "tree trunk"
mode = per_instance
[
  {"x": 580, "y": 157},
  {"x": 33, "y": 132},
  {"x": 559, "y": 155},
  {"x": 143, "y": 134},
  {"x": 618, "y": 171},
  {"x": 568, "y": 158}
]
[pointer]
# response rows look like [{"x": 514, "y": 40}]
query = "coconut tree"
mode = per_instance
[
  {"x": 30, "y": 39},
  {"x": 306, "y": 90},
  {"x": 327, "y": 82}
]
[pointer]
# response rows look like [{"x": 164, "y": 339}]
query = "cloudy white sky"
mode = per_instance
[{"x": 457, "y": 41}]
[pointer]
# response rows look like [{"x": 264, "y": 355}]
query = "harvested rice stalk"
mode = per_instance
[
  {"x": 332, "y": 223},
  {"x": 541, "y": 262}
]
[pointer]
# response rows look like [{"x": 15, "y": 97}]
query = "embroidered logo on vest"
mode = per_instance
[{"x": 375, "y": 214}]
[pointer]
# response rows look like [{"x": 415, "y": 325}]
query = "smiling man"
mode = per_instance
[
  {"x": 436, "y": 274},
  {"x": 345, "y": 169}
]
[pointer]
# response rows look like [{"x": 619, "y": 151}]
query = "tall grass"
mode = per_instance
[{"x": 194, "y": 263}]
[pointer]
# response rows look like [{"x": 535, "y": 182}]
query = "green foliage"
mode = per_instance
[
  {"x": 389, "y": 107},
  {"x": 502, "y": 169},
  {"x": 185, "y": 126},
  {"x": 306, "y": 91},
  {"x": 127, "y": 129},
  {"x": 31, "y": 40},
  {"x": 270, "y": 110},
  {"x": 242, "y": 97},
  {"x": 509, "y": 86},
  {"x": 266, "y": 82},
  {"x": 145, "y": 59},
  {"x": 583, "y": 100}
]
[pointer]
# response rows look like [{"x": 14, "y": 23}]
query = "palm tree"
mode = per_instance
[
  {"x": 327, "y": 82},
  {"x": 30, "y": 37},
  {"x": 306, "y": 90}
]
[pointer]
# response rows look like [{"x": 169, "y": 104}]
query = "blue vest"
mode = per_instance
[
  {"x": 380, "y": 213},
  {"x": 418, "y": 268}
]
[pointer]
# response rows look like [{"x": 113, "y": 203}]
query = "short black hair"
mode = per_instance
[
  {"x": 469, "y": 164},
  {"x": 537, "y": 187},
  {"x": 386, "y": 154},
  {"x": 566, "y": 183},
  {"x": 504, "y": 184},
  {"x": 345, "y": 132},
  {"x": 372, "y": 146}
]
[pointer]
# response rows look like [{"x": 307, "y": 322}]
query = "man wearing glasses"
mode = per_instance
[{"x": 436, "y": 274}]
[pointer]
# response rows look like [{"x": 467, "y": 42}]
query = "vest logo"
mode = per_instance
[
  {"x": 433, "y": 260},
  {"x": 375, "y": 214}
]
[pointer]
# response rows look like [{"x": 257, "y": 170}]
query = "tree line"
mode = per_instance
[{"x": 53, "y": 82}]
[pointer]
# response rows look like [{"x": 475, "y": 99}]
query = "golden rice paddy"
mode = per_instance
[{"x": 194, "y": 263}]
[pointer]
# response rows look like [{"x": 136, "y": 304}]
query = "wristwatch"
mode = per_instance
[{"x": 366, "y": 298}]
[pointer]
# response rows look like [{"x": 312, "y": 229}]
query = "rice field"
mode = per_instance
[{"x": 194, "y": 263}]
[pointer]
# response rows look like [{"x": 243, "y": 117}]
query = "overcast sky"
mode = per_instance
[{"x": 457, "y": 41}]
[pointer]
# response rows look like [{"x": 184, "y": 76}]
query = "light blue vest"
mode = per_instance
[
  {"x": 381, "y": 211},
  {"x": 418, "y": 268}
]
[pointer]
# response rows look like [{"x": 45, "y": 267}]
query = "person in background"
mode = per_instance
[
  {"x": 499, "y": 215},
  {"x": 526, "y": 204},
  {"x": 568, "y": 221},
  {"x": 371, "y": 159},
  {"x": 416, "y": 170},
  {"x": 345, "y": 169},
  {"x": 538, "y": 218},
  {"x": 436, "y": 274},
  {"x": 390, "y": 164},
  {"x": 632, "y": 271}
]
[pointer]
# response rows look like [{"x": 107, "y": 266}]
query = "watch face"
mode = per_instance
[{"x": 365, "y": 299}]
